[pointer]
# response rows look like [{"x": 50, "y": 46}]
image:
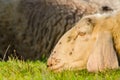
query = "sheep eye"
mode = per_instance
[{"x": 106, "y": 8}]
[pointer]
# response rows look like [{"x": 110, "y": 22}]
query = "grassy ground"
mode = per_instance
[{"x": 36, "y": 70}]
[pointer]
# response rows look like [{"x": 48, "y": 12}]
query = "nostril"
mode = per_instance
[
  {"x": 50, "y": 65},
  {"x": 47, "y": 65}
]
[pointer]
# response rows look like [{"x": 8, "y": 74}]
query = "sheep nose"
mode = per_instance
[
  {"x": 49, "y": 65},
  {"x": 50, "y": 62}
]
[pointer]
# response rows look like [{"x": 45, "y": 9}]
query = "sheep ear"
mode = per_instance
[{"x": 103, "y": 55}]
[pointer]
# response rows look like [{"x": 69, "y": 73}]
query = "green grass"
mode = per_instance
[{"x": 35, "y": 70}]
